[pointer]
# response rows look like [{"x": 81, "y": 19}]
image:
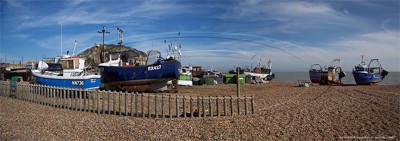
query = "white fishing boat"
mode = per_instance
[{"x": 263, "y": 72}]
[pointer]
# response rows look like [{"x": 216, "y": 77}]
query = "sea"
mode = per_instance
[{"x": 390, "y": 79}]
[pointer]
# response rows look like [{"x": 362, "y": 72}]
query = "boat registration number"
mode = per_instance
[
  {"x": 151, "y": 68},
  {"x": 78, "y": 83}
]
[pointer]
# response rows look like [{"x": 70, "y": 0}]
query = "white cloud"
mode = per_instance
[
  {"x": 292, "y": 16},
  {"x": 15, "y": 3},
  {"x": 382, "y": 45},
  {"x": 91, "y": 12}
]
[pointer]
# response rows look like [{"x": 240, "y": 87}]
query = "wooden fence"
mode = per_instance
[{"x": 130, "y": 104}]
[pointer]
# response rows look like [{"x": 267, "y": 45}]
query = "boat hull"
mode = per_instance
[
  {"x": 261, "y": 75},
  {"x": 315, "y": 76},
  {"x": 364, "y": 78},
  {"x": 84, "y": 82},
  {"x": 139, "y": 78}
]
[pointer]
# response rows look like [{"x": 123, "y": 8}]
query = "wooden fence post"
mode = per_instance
[
  {"x": 40, "y": 95},
  {"x": 217, "y": 106},
  {"x": 148, "y": 105},
  {"x": 80, "y": 100},
  {"x": 184, "y": 106},
  {"x": 98, "y": 93},
  {"x": 113, "y": 97},
  {"x": 136, "y": 104},
  {"x": 103, "y": 98},
  {"x": 155, "y": 105},
  {"x": 245, "y": 105},
  {"x": 54, "y": 97},
  {"x": 224, "y": 106},
  {"x": 59, "y": 98},
  {"x": 114, "y": 102},
  {"x": 162, "y": 106},
  {"x": 198, "y": 107},
  {"x": 87, "y": 97},
  {"x": 125, "y": 95},
  {"x": 210, "y": 106},
  {"x": 142, "y": 104},
  {"x": 238, "y": 105},
  {"x": 46, "y": 96},
  {"x": 71, "y": 99},
  {"x": 132, "y": 96},
  {"x": 108, "y": 107},
  {"x": 170, "y": 106},
  {"x": 67, "y": 100},
  {"x": 203, "y": 107},
  {"x": 252, "y": 104},
  {"x": 177, "y": 106},
  {"x": 191, "y": 106},
  {"x": 231, "y": 105},
  {"x": 83, "y": 100},
  {"x": 51, "y": 97},
  {"x": 91, "y": 100},
  {"x": 119, "y": 102}
]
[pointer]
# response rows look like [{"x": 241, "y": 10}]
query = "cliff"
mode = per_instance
[{"x": 92, "y": 55}]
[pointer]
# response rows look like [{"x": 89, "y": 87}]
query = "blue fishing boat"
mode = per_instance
[
  {"x": 369, "y": 74},
  {"x": 127, "y": 71},
  {"x": 67, "y": 72}
]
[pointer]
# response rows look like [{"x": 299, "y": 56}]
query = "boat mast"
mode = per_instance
[
  {"x": 120, "y": 34},
  {"x": 61, "y": 42},
  {"x": 362, "y": 60},
  {"x": 103, "y": 31},
  {"x": 73, "y": 51},
  {"x": 179, "y": 46}
]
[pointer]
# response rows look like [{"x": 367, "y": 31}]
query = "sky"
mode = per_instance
[{"x": 218, "y": 34}]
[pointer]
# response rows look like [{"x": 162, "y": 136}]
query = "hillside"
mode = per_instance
[{"x": 92, "y": 55}]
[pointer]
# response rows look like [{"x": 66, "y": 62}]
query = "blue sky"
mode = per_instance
[{"x": 220, "y": 34}]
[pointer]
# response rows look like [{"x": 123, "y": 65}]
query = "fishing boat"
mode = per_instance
[
  {"x": 369, "y": 74},
  {"x": 262, "y": 72},
  {"x": 332, "y": 74},
  {"x": 124, "y": 71},
  {"x": 68, "y": 72},
  {"x": 315, "y": 73}
]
